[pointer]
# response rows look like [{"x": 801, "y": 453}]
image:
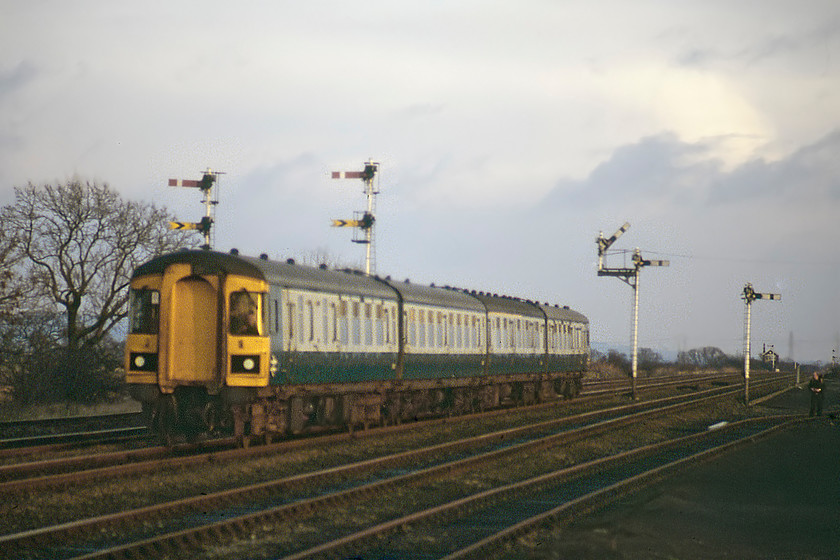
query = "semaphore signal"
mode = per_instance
[
  {"x": 749, "y": 295},
  {"x": 631, "y": 277},
  {"x": 364, "y": 221},
  {"x": 205, "y": 185}
]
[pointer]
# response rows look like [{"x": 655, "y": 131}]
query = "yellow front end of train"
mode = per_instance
[{"x": 193, "y": 331}]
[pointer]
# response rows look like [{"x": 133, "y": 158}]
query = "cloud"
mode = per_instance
[
  {"x": 808, "y": 177},
  {"x": 12, "y": 80},
  {"x": 663, "y": 168},
  {"x": 766, "y": 222},
  {"x": 655, "y": 168}
]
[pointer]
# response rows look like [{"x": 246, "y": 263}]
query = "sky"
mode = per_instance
[{"x": 509, "y": 134}]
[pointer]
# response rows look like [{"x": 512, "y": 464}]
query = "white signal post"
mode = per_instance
[
  {"x": 367, "y": 220},
  {"x": 750, "y": 295},
  {"x": 205, "y": 184},
  {"x": 630, "y": 276}
]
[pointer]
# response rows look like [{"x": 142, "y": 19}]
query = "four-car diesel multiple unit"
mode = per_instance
[{"x": 221, "y": 340}]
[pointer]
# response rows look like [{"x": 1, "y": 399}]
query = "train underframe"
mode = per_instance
[{"x": 254, "y": 414}]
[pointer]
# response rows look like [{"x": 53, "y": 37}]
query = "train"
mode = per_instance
[{"x": 257, "y": 348}]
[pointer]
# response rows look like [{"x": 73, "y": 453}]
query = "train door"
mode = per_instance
[{"x": 193, "y": 332}]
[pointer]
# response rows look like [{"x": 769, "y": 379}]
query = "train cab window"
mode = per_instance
[
  {"x": 245, "y": 313},
  {"x": 144, "y": 311}
]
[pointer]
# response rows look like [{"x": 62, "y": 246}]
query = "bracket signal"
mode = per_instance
[
  {"x": 363, "y": 221},
  {"x": 205, "y": 185},
  {"x": 629, "y": 276}
]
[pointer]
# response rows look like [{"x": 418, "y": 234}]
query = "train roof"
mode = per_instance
[
  {"x": 558, "y": 313},
  {"x": 516, "y": 306},
  {"x": 280, "y": 273},
  {"x": 202, "y": 262},
  {"x": 435, "y": 296},
  {"x": 320, "y": 279},
  {"x": 509, "y": 305}
]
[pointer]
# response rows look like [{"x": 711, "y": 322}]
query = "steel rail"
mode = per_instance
[
  {"x": 216, "y": 500},
  {"x": 354, "y": 542},
  {"x": 602, "y": 497},
  {"x": 289, "y": 511},
  {"x": 53, "y": 473}
]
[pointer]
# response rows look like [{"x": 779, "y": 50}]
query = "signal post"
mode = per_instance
[
  {"x": 365, "y": 222},
  {"x": 630, "y": 276},
  {"x": 205, "y": 185},
  {"x": 750, "y": 295}
]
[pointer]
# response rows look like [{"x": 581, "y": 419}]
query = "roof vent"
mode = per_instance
[
  {"x": 234, "y": 251},
  {"x": 290, "y": 261},
  {"x": 323, "y": 266},
  {"x": 264, "y": 256},
  {"x": 565, "y": 307}
]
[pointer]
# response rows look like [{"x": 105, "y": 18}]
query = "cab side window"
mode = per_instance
[
  {"x": 245, "y": 313},
  {"x": 144, "y": 311}
]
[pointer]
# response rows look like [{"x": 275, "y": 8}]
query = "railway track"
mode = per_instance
[
  {"x": 477, "y": 525},
  {"x": 409, "y": 468},
  {"x": 64, "y": 471},
  {"x": 20, "y": 430}
]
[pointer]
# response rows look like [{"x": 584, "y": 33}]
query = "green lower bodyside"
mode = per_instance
[{"x": 318, "y": 367}]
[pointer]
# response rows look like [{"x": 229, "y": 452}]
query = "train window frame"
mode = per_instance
[
  {"x": 334, "y": 322},
  {"x": 290, "y": 323},
  {"x": 379, "y": 326},
  {"x": 411, "y": 321},
  {"x": 343, "y": 323},
  {"x": 430, "y": 331},
  {"x": 325, "y": 320},
  {"x": 239, "y": 316},
  {"x": 367, "y": 325},
  {"x": 301, "y": 319},
  {"x": 356, "y": 325},
  {"x": 144, "y": 310}
]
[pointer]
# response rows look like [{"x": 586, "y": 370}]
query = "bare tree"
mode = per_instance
[
  {"x": 708, "y": 356},
  {"x": 76, "y": 245},
  {"x": 649, "y": 359},
  {"x": 11, "y": 288}
]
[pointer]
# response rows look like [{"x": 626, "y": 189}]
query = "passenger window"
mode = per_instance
[
  {"x": 310, "y": 309},
  {"x": 357, "y": 325},
  {"x": 343, "y": 322},
  {"x": 245, "y": 313}
]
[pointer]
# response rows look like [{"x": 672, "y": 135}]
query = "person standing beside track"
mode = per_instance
[{"x": 817, "y": 387}]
